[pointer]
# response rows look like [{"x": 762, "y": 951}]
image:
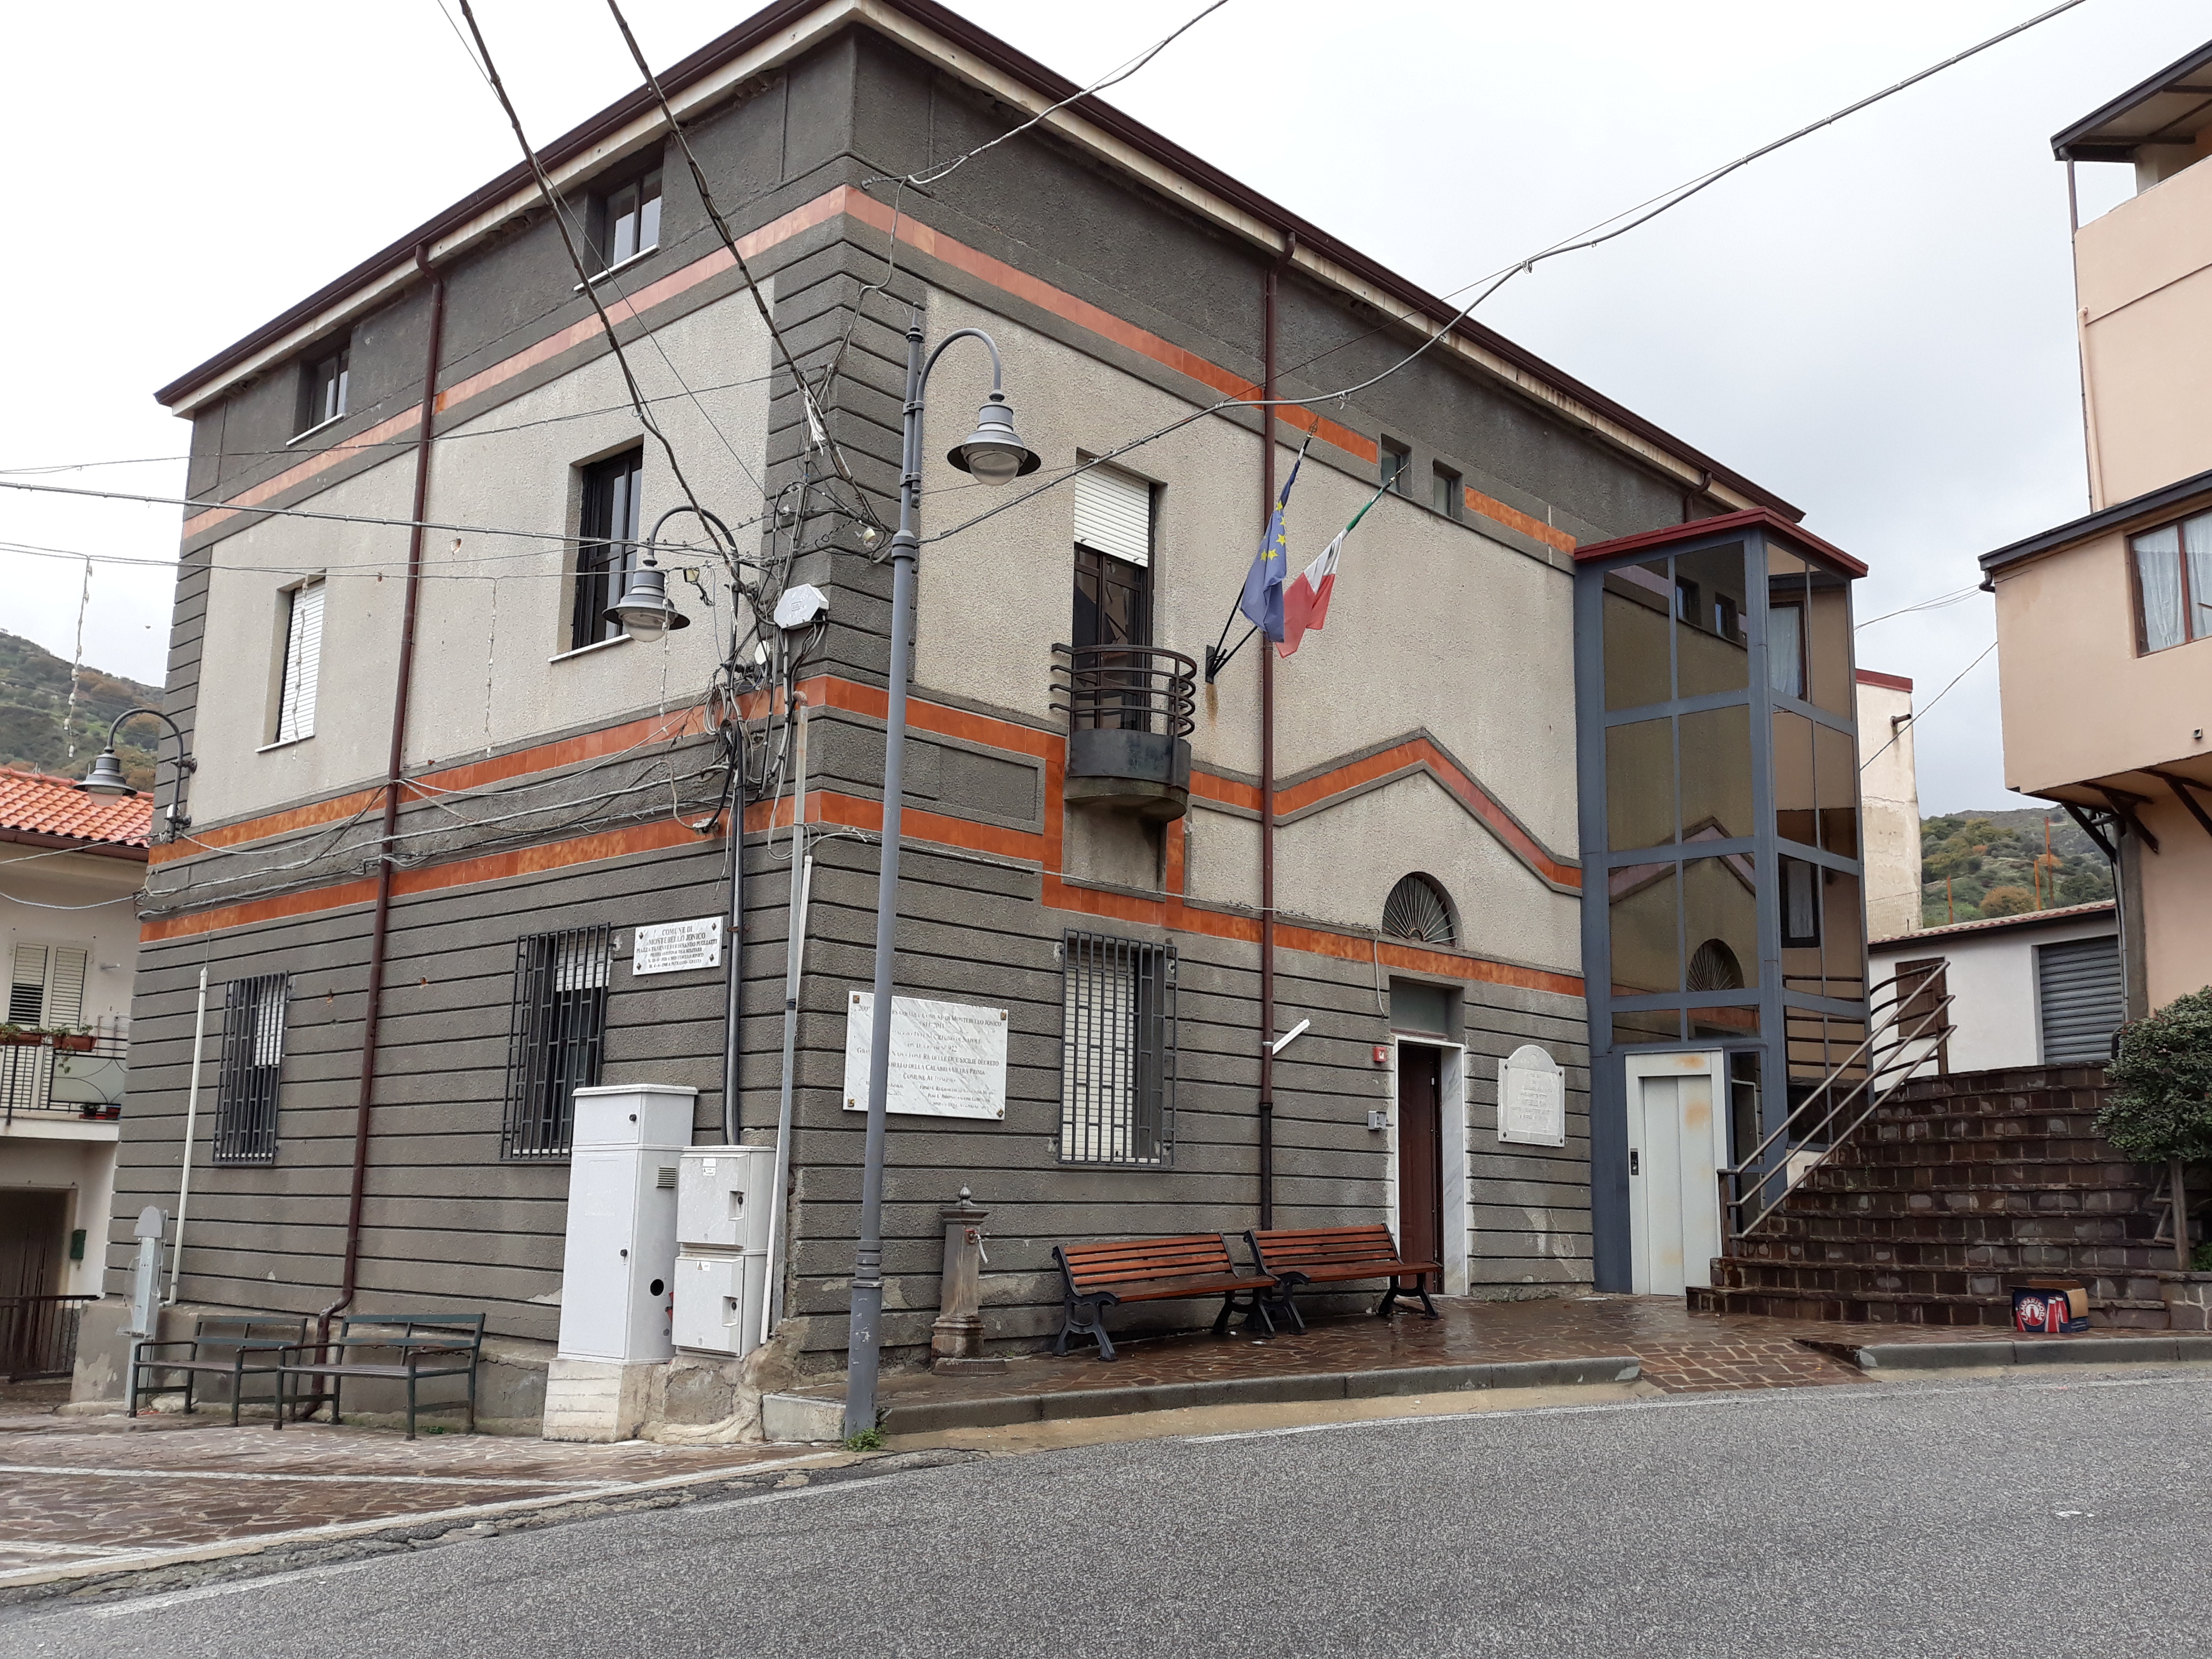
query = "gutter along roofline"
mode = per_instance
[
  {"x": 786, "y": 30},
  {"x": 1803, "y": 540},
  {"x": 2063, "y": 915},
  {"x": 2152, "y": 503},
  {"x": 2076, "y": 144}
]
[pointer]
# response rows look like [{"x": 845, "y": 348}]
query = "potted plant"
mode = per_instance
[
  {"x": 78, "y": 1041},
  {"x": 20, "y": 1035},
  {"x": 2160, "y": 1111}
]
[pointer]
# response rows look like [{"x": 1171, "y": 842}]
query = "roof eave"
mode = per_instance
[
  {"x": 2068, "y": 145},
  {"x": 2059, "y": 539}
]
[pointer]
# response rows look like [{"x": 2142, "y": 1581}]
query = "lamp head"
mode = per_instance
[
  {"x": 995, "y": 453},
  {"x": 645, "y": 611},
  {"x": 105, "y": 778}
]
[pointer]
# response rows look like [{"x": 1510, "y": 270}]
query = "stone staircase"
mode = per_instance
[{"x": 1952, "y": 1190}]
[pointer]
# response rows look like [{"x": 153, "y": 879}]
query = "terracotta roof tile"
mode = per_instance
[{"x": 34, "y": 803}]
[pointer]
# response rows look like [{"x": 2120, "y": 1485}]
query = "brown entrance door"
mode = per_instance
[{"x": 1420, "y": 1153}]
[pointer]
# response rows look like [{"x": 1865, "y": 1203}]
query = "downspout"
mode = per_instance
[
  {"x": 379, "y": 918},
  {"x": 734, "y": 941},
  {"x": 1267, "y": 758},
  {"x": 794, "y": 958}
]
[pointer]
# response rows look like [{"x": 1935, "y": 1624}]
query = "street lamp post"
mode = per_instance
[
  {"x": 992, "y": 454},
  {"x": 105, "y": 778}
]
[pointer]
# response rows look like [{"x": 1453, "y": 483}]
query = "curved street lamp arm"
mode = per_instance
[
  {"x": 652, "y": 536},
  {"x": 185, "y": 761},
  {"x": 989, "y": 344}
]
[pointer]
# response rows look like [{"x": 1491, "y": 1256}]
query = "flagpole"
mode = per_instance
[{"x": 1267, "y": 766}]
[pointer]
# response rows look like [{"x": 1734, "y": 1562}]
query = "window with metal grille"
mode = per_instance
[
  {"x": 1418, "y": 909},
  {"x": 252, "y": 1064},
  {"x": 555, "y": 1038},
  {"x": 1117, "y": 1050}
]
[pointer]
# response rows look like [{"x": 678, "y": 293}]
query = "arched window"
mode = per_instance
[
  {"x": 1418, "y": 909},
  {"x": 1713, "y": 967}
]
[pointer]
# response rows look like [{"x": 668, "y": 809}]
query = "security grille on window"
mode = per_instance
[
  {"x": 555, "y": 1037},
  {"x": 253, "y": 1065},
  {"x": 1117, "y": 1051},
  {"x": 303, "y": 662}
]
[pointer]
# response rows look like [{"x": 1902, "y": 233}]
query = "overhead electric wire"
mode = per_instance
[
  {"x": 1936, "y": 603},
  {"x": 568, "y": 241},
  {"x": 1913, "y": 719},
  {"x": 1643, "y": 214}
]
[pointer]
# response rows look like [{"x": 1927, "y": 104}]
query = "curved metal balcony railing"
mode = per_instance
[
  {"x": 1125, "y": 688},
  {"x": 1130, "y": 710}
]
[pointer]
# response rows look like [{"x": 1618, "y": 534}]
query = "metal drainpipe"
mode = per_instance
[
  {"x": 732, "y": 974},
  {"x": 1267, "y": 761},
  {"x": 380, "y": 916}
]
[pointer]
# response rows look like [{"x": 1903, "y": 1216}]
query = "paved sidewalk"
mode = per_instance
[
  {"x": 78, "y": 1491},
  {"x": 1679, "y": 1352}
]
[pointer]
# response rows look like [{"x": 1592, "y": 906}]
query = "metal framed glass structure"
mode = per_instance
[{"x": 1717, "y": 756}]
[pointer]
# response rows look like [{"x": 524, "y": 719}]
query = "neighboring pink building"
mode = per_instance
[{"x": 2105, "y": 624}]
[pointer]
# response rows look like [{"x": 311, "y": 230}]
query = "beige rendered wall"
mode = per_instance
[
  {"x": 2177, "y": 904},
  {"x": 1889, "y": 808},
  {"x": 2143, "y": 280},
  {"x": 2078, "y": 702},
  {"x": 1432, "y": 626},
  {"x": 494, "y": 610}
]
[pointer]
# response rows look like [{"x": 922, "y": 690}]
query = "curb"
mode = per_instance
[
  {"x": 2035, "y": 1351},
  {"x": 789, "y": 1418}
]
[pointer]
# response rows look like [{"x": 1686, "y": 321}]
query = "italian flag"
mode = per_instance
[{"x": 1305, "y": 601}]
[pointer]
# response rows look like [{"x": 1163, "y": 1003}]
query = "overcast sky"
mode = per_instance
[{"x": 1875, "y": 322}]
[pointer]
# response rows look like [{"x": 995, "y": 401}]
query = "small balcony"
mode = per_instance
[
  {"x": 1130, "y": 710},
  {"x": 49, "y": 1077}
]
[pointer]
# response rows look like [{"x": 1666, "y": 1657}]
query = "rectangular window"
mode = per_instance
[
  {"x": 556, "y": 1034},
  {"x": 323, "y": 387},
  {"x": 1449, "y": 495},
  {"x": 1801, "y": 904},
  {"x": 608, "y": 549},
  {"x": 252, "y": 1064},
  {"x": 1785, "y": 649},
  {"x": 629, "y": 220},
  {"x": 1112, "y": 558},
  {"x": 302, "y": 665},
  {"x": 1117, "y": 1050},
  {"x": 1397, "y": 460},
  {"x": 1686, "y": 609},
  {"x": 2173, "y": 583},
  {"x": 45, "y": 987}
]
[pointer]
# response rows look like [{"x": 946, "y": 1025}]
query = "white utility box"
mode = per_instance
[
  {"x": 723, "y": 1200},
  {"x": 621, "y": 1255}
]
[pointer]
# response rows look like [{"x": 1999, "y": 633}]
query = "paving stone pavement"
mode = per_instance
[
  {"x": 86, "y": 1489},
  {"x": 1682, "y": 1352}
]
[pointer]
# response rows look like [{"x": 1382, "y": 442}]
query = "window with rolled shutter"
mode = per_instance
[
  {"x": 47, "y": 985},
  {"x": 303, "y": 662},
  {"x": 1113, "y": 514},
  {"x": 2080, "y": 997}
]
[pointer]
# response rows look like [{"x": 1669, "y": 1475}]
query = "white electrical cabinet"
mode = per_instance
[
  {"x": 723, "y": 1200},
  {"x": 620, "y": 1261}
]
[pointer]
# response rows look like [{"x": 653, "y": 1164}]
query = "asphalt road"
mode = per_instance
[{"x": 2024, "y": 1518}]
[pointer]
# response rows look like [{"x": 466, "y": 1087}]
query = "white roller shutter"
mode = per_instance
[
  {"x": 2078, "y": 987},
  {"x": 303, "y": 663},
  {"x": 1113, "y": 514}
]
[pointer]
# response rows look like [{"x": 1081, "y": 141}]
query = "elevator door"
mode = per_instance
[{"x": 1673, "y": 1192}]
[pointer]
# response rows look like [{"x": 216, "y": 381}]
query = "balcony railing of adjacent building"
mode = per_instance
[
  {"x": 1130, "y": 710},
  {"x": 47, "y": 1077}
]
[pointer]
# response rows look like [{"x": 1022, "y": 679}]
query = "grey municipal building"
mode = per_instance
[{"x": 1570, "y": 769}]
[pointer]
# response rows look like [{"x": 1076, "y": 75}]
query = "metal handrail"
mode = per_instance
[
  {"x": 38, "y": 1336},
  {"x": 1892, "y": 1065},
  {"x": 1130, "y": 688},
  {"x": 92, "y": 1069}
]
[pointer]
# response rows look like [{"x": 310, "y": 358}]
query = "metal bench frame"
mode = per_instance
[
  {"x": 1290, "y": 1277},
  {"x": 457, "y": 1340},
  {"x": 240, "y": 1338},
  {"x": 1239, "y": 1290}
]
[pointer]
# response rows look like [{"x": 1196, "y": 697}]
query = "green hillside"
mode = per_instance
[
  {"x": 35, "y": 689},
  {"x": 1974, "y": 864}
]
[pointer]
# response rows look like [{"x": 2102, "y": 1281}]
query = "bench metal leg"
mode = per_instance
[
  {"x": 472, "y": 1398},
  {"x": 1255, "y": 1311},
  {"x": 1419, "y": 1288},
  {"x": 410, "y": 1404},
  {"x": 1083, "y": 1320}
]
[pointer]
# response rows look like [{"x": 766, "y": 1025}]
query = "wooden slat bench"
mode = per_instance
[
  {"x": 422, "y": 1345},
  {"x": 1296, "y": 1256},
  {"x": 1099, "y": 1276},
  {"x": 222, "y": 1345}
]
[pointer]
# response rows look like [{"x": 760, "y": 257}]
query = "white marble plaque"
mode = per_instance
[
  {"x": 948, "y": 1058},
  {"x": 1532, "y": 1098},
  {"x": 670, "y": 947}
]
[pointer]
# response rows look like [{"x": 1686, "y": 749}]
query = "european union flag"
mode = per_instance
[{"x": 1262, "y": 599}]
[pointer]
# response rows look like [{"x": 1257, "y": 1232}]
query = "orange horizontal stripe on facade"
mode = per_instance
[
  {"x": 1477, "y": 799},
  {"x": 1009, "y": 279},
  {"x": 272, "y": 823},
  {"x": 845, "y": 200},
  {"x": 1513, "y": 519}
]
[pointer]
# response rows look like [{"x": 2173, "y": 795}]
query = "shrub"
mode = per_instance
[
  {"x": 2161, "y": 1104},
  {"x": 2007, "y": 901}
]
